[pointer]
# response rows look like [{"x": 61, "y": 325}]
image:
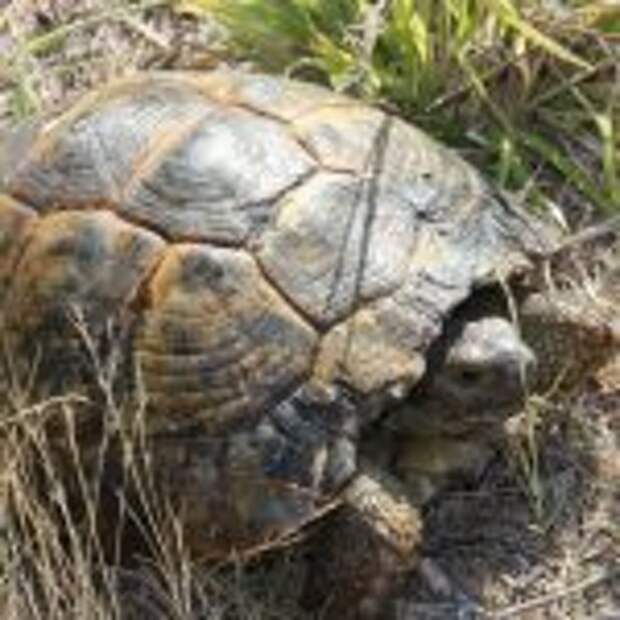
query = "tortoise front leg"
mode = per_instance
[{"x": 360, "y": 556}]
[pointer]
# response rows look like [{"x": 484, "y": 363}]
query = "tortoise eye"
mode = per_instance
[{"x": 469, "y": 376}]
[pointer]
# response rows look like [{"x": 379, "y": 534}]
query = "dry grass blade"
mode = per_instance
[{"x": 517, "y": 611}]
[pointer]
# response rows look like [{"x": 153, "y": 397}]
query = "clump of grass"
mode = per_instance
[
  {"x": 530, "y": 93},
  {"x": 84, "y": 534},
  {"x": 86, "y": 531}
]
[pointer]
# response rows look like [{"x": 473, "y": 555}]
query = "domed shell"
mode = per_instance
[{"x": 256, "y": 239}]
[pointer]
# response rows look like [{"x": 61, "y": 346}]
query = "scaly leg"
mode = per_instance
[{"x": 360, "y": 556}]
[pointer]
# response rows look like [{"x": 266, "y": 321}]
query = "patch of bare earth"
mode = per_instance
[
  {"x": 544, "y": 547},
  {"x": 526, "y": 545},
  {"x": 53, "y": 50}
]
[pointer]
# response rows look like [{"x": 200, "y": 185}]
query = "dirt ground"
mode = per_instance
[{"x": 532, "y": 545}]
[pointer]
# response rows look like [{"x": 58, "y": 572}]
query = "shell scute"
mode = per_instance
[
  {"x": 246, "y": 346},
  {"x": 335, "y": 243},
  {"x": 267, "y": 95},
  {"x": 216, "y": 183},
  {"x": 345, "y": 139},
  {"x": 16, "y": 221},
  {"x": 77, "y": 266},
  {"x": 86, "y": 157}
]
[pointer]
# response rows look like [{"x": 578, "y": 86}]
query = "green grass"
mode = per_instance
[{"x": 529, "y": 94}]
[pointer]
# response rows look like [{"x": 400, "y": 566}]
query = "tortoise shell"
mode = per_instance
[{"x": 280, "y": 259}]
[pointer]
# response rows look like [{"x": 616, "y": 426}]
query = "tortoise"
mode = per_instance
[{"x": 274, "y": 263}]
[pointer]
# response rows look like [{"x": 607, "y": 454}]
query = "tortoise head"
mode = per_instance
[
  {"x": 480, "y": 364},
  {"x": 488, "y": 360}
]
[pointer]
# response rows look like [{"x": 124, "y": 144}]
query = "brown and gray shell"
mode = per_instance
[
  {"x": 253, "y": 235},
  {"x": 271, "y": 260}
]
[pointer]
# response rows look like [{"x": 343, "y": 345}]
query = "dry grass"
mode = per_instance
[
  {"x": 548, "y": 554},
  {"x": 85, "y": 533},
  {"x": 552, "y": 558},
  {"x": 543, "y": 546}
]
